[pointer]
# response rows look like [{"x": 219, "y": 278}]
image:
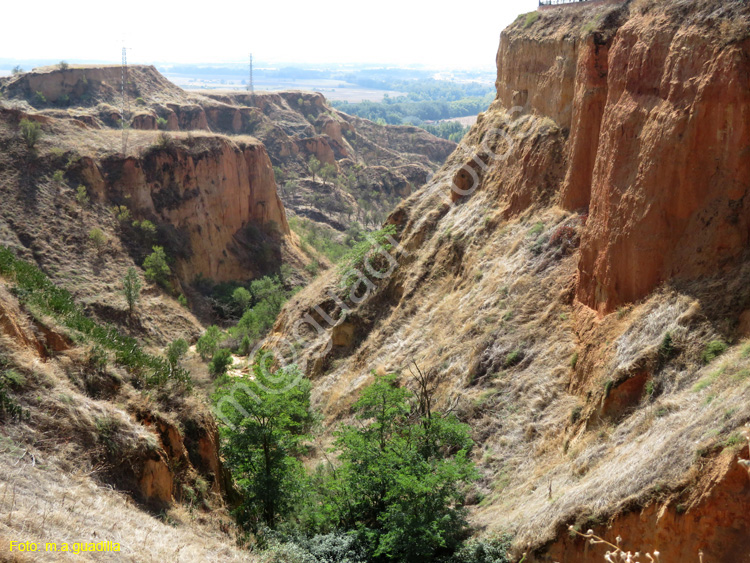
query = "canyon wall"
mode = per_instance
[
  {"x": 216, "y": 193},
  {"x": 657, "y": 109}
]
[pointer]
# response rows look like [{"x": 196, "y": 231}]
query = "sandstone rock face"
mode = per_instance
[
  {"x": 211, "y": 193},
  {"x": 659, "y": 134},
  {"x": 671, "y": 173},
  {"x": 713, "y": 520}
]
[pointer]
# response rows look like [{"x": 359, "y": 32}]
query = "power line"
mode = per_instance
[{"x": 250, "y": 86}]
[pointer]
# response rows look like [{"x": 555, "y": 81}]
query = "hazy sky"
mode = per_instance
[{"x": 445, "y": 34}]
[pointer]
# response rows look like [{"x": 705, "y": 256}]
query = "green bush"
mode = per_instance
[
  {"x": 176, "y": 351},
  {"x": 120, "y": 212},
  {"x": 161, "y": 123},
  {"x": 97, "y": 239},
  {"x": 713, "y": 350},
  {"x": 31, "y": 132},
  {"x": 513, "y": 358},
  {"x": 355, "y": 258},
  {"x": 39, "y": 99},
  {"x": 131, "y": 289},
  {"x": 156, "y": 267},
  {"x": 82, "y": 196},
  {"x": 220, "y": 362},
  {"x": 208, "y": 343}
]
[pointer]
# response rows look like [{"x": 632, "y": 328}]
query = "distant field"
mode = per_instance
[{"x": 331, "y": 89}]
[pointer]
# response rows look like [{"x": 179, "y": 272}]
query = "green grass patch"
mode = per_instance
[
  {"x": 530, "y": 18},
  {"x": 708, "y": 380}
]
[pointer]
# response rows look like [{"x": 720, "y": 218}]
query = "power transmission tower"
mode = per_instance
[
  {"x": 125, "y": 106},
  {"x": 250, "y": 86}
]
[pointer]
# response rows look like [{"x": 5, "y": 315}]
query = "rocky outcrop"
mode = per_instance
[
  {"x": 711, "y": 519},
  {"x": 214, "y": 192},
  {"x": 657, "y": 110}
]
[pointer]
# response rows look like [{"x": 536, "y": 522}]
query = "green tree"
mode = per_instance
[
  {"x": 327, "y": 172},
  {"x": 63, "y": 65},
  {"x": 208, "y": 343},
  {"x": 176, "y": 351},
  {"x": 131, "y": 289},
  {"x": 314, "y": 165},
  {"x": 156, "y": 267},
  {"x": 220, "y": 363},
  {"x": 242, "y": 298},
  {"x": 265, "y": 441},
  {"x": 31, "y": 132},
  {"x": 404, "y": 472}
]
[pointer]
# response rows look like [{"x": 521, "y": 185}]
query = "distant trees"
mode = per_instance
[
  {"x": 63, "y": 65},
  {"x": 17, "y": 70}
]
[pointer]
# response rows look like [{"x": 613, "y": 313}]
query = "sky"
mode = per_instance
[{"x": 435, "y": 34}]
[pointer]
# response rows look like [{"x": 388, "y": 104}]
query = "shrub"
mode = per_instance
[
  {"x": 146, "y": 227},
  {"x": 161, "y": 123},
  {"x": 141, "y": 102},
  {"x": 354, "y": 260},
  {"x": 176, "y": 350},
  {"x": 496, "y": 550},
  {"x": 513, "y": 358},
  {"x": 220, "y": 362},
  {"x": 208, "y": 343},
  {"x": 156, "y": 267},
  {"x": 574, "y": 360},
  {"x": 246, "y": 346},
  {"x": 31, "y": 132},
  {"x": 63, "y": 65},
  {"x": 97, "y": 239},
  {"x": 59, "y": 176},
  {"x": 666, "y": 349},
  {"x": 82, "y": 196},
  {"x": 120, "y": 212},
  {"x": 163, "y": 141},
  {"x": 265, "y": 440},
  {"x": 182, "y": 300},
  {"x": 39, "y": 99},
  {"x": 713, "y": 350}
]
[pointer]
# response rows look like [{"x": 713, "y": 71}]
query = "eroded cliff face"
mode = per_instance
[
  {"x": 215, "y": 193},
  {"x": 657, "y": 108},
  {"x": 579, "y": 191}
]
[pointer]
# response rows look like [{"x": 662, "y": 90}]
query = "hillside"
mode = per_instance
[
  {"x": 100, "y": 418},
  {"x": 374, "y": 166},
  {"x": 572, "y": 280}
]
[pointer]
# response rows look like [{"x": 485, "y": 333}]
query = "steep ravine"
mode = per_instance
[{"x": 607, "y": 219}]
